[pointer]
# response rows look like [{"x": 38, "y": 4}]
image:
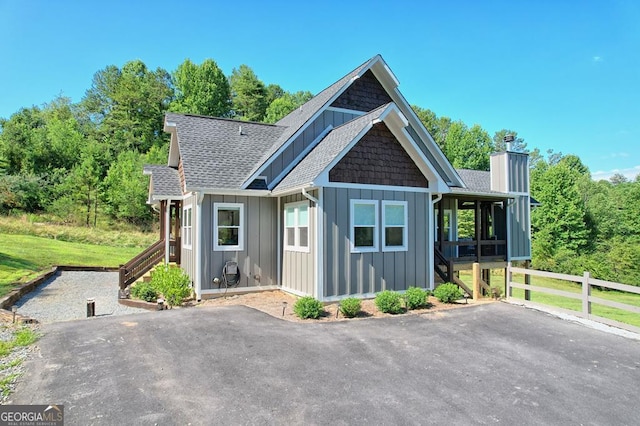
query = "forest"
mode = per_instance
[{"x": 81, "y": 163}]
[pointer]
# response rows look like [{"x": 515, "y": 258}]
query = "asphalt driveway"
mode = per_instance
[{"x": 487, "y": 364}]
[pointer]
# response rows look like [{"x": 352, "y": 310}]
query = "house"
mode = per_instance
[{"x": 348, "y": 195}]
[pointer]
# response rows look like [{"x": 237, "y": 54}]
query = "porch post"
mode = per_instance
[
  {"x": 167, "y": 230},
  {"x": 478, "y": 218}
]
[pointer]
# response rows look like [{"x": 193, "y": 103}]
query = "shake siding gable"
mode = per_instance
[
  {"x": 181, "y": 174},
  {"x": 365, "y": 94},
  {"x": 378, "y": 159}
]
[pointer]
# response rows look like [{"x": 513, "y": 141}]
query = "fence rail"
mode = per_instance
[{"x": 585, "y": 296}]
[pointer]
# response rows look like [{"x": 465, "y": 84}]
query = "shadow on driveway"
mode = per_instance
[{"x": 233, "y": 365}]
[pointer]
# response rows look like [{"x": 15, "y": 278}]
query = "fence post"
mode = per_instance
[
  {"x": 586, "y": 292},
  {"x": 527, "y": 281},
  {"x": 476, "y": 281},
  {"x": 508, "y": 277}
]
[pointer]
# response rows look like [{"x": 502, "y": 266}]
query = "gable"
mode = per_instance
[
  {"x": 378, "y": 159},
  {"x": 365, "y": 94}
]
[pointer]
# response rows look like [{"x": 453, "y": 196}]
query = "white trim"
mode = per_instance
[
  {"x": 296, "y": 247},
  {"x": 299, "y": 158},
  {"x": 376, "y": 226},
  {"x": 240, "y": 290},
  {"x": 279, "y": 244},
  {"x": 319, "y": 260},
  {"x": 187, "y": 230},
  {"x": 327, "y": 184},
  {"x": 230, "y": 206},
  {"x": 236, "y": 192},
  {"x": 346, "y": 110},
  {"x": 520, "y": 193},
  {"x": 198, "y": 243},
  {"x": 405, "y": 227},
  {"x": 294, "y": 292},
  {"x": 344, "y": 152},
  {"x": 520, "y": 258}
]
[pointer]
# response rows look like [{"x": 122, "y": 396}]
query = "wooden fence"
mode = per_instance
[{"x": 585, "y": 296}]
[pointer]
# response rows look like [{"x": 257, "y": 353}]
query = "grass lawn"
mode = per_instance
[
  {"x": 23, "y": 257},
  {"x": 497, "y": 278}
]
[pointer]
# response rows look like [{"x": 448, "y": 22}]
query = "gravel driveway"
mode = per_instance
[{"x": 64, "y": 297}]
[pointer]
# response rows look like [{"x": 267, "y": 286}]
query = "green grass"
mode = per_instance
[
  {"x": 497, "y": 278},
  {"x": 4, "y": 383},
  {"x": 23, "y": 257}
]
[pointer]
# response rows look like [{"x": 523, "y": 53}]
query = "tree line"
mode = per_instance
[{"x": 79, "y": 162}]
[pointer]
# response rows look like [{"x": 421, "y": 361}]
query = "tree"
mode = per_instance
[
  {"x": 518, "y": 144},
  {"x": 561, "y": 218},
  {"x": 127, "y": 106},
  {"x": 618, "y": 178},
  {"x": 468, "y": 148},
  {"x": 283, "y": 105},
  {"x": 437, "y": 127},
  {"x": 248, "y": 95},
  {"x": 201, "y": 89}
]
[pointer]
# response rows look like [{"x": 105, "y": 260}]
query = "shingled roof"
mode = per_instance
[
  {"x": 298, "y": 117},
  {"x": 219, "y": 153},
  {"x": 165, "y": 182},
  {"x": 327, "y": 150}
]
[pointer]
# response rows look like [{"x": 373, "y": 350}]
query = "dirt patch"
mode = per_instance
[{"x": 276, "y": 302}]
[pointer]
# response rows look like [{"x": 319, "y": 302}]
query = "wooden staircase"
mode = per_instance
[{"x": 142, "y": 263}]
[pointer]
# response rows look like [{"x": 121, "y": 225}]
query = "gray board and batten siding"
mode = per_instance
[
  {"x": 302, "y": 142},
  {"x": 258, "y": 258},
  {"x": 347, "y": 273},
  {"x": 298, "y": 266},
  {"x": 510, "y": 174}
]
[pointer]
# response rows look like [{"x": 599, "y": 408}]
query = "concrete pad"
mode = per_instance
[{"x": 494, "y": 363}]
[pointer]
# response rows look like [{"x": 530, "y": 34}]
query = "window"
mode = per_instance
[
  {"x": 446, "y": 229},
  {"x": 364, "y": 226},
  {"x": 186, "y": 227},
  {"x": 228, "y": 221},
  {"x": 296, "y": 226},
  {"x": 394, "y": 219}
]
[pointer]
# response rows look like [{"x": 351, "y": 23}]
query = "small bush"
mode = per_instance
[
  {"x": 350, "y": 307},
  {"x": 448, "y": 293},
  {"x": 389, "y": 302},
  {"x": 416, "y": 297},
  {"x": 172, "y": 283},
  {"x": 308, "y": 307},
  {"x": 144, "y": 291}
]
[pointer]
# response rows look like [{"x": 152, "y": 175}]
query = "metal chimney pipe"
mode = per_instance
[{"x": 507, "y": 140}]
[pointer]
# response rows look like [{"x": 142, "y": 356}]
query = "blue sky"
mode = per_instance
[{"x": 564, "y": 74}]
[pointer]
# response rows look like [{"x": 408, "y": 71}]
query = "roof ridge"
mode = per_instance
[{"x": 233, "y": 120}]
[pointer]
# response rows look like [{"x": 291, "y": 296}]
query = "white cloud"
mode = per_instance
[
  {"x": 630, "y": 173},
  {"x": 617, "y": 155},
  {"x": 597, "y": 59}
]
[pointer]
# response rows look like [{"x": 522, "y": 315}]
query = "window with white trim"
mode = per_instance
[
  {"x": 394, "y": 222},
  {"x": 296, "y": 226},
  {"x": 228, "y": 220},
  {"x": 364, "y": 226},
  {"x": 186, "y": 227}
]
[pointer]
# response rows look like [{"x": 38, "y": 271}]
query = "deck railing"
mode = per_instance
[
  {"x": 585, "y": 295},
  {"x": 139, "y": 265},
  {"x": 490, "y": 250}
]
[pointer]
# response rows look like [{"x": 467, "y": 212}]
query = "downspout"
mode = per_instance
[
  {"x": 198, "y": 243},
  {"x": 317, "y": 264},
  {"x": 167, "y": 230},
  {"x": 431, "y": 240},
  {"x": 279, "y": 247},
  {"x": 309, "y": 196}
]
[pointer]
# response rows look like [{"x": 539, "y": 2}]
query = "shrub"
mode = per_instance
[
  {"x": 389, "y": 302},
  {"x": 144, "y": 291},
  {"x": 172, "y": 282},
  {"x": 350, "y": 307},
  {"x": 416, "y": 297},
  {"x": 448, "y": 293},
  {"x": 308, "y": 307}
]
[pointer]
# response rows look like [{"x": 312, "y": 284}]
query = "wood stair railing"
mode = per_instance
[{"x": 139, "y": 265}]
